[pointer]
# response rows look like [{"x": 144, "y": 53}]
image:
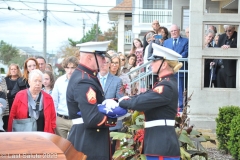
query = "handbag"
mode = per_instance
[
  {"x": 24, "y": 125},
  {"x": 27, "y": 124}
]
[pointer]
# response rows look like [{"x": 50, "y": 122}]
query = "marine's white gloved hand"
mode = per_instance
[
  {"x": 110, "y": 103},
  {"x": 124, "y": 97}
]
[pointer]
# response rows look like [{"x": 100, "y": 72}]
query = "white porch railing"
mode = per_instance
[
  {"x": 145, "y": 76},
  {"x": 128, "y": 38},
  {"x": 149, "y": 15}
]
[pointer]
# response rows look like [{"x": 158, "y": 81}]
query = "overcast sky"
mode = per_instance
[{"x": 22, "y": 25}]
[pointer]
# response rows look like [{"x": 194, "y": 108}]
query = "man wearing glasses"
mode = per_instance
[{"x": 226, "y": 76}]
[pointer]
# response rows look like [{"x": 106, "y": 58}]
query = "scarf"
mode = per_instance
[{"x": 33, "y": 110}]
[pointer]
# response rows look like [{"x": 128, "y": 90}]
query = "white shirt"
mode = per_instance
[
  {"x": 59, "y": 95},
  {"x": 176, "y": 41}
]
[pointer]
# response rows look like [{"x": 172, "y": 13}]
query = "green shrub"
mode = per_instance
[
  {"x": 223, "y": 120},
  {"x": 234, "y": 140}
]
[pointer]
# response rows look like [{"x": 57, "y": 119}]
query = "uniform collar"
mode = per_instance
[
  {"x": 88, "y": 70},
  {"x": 165, "y": 77}
]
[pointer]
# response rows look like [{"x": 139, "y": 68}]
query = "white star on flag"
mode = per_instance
[{"x": 107, "y": 110}]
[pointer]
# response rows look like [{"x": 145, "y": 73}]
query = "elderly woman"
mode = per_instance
[
  {"x": 25, "y": 105},
  {"x": 159, "y": 106}
]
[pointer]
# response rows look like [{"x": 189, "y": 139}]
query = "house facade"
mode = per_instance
[
  {"x": 135, "y": 17},
  {"x": 198, "y": 15},
  {"x": 205, "y": 102},
  {"x": 146, "y": 11}
]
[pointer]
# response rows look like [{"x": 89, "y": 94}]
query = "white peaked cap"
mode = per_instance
[
  {"x": 94, "y": 47},
  {"x": 160, "y": 52}
]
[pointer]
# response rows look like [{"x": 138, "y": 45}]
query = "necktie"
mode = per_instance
[
  {"x": 102, "y": 81},
  {"x": 175, "y": 44}
]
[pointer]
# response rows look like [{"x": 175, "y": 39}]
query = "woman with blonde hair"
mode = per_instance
[
  {"x": 11, "y": 78},
  {"x": 22, "y": 83},
  {"x": 115, "y": 65},
  {"x": 115, "y": 70}
]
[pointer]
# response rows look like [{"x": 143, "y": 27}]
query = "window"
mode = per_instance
[
  {"x": 155, "y": 4},
  {"x": 185, "y": 14}
]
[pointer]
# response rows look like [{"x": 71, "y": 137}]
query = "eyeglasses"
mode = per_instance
[
  {"x": 228, "y": 31},
  {"x": 116, "y": 63},
  {"x": 123, "y": 59}
]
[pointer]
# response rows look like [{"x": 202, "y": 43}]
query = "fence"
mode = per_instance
[
  {"x": 145, "y": 77},
  {"x": 149, "y": 15}
]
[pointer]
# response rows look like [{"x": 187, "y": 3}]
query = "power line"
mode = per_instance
[
  {"x": 80, "y": 11},
  {"x": 9, "y": 8},
  {"x": 83, "y": 8},
  {"x": 59, "y": 20},
  {"x": 27, "y": 5},
  {"x": 71, "y": 4}
]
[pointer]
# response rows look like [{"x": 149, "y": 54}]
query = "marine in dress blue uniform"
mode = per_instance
[
  {"x": 90, "y": 131},
  {"x": 159, "y": 106}
]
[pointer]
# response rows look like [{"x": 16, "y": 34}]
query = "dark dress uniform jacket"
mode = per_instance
[
  {"x": 92, "y": 137},
  {"x": 157, "y": 104}
]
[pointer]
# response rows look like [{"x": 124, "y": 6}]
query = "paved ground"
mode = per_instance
[{"x": 213, "y": 152}]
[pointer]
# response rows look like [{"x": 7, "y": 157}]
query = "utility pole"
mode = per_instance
[
  {"x": 83, "y": 28},
  {"x": 97, "y": 27},
  {"x": 45, "y": 29},
  {"x": 96, "y": 37}
]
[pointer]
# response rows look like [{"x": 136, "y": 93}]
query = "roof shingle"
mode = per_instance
[{"x": 126, "y": 5}]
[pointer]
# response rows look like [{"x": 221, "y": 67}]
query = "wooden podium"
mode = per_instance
[{"x": 37, "y": 145}]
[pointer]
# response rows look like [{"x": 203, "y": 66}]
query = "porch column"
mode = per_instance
[{"x": 121, "y": 33}]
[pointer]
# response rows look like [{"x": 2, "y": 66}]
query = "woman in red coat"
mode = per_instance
[{"x": 24, "y": 105}]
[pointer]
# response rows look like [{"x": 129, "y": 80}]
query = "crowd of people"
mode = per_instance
[
  {"x": 99, "y": 75},
  {"x": 220, "y": 73}
]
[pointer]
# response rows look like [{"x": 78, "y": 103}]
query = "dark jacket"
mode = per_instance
[
  {"x": 21, "y": 84},
  {"x": 84, "y": 92},
  {"x": 229, "y": 64},
  {"x": 157, "y": 104},
  {"x": 10, "y": 85}
]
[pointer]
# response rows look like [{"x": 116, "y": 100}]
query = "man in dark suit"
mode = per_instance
[
  {"x": 179, "y": 45},
  {"x": 226, "y": 77}
]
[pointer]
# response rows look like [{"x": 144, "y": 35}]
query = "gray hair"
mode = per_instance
[
  {"x": 227, "y": 26},
  {"x": 174, "y": 25},
  {"x": 210, "y": 31},
  {"x": 149, "y": 35},
  {"x": 34, "y": 73}
]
